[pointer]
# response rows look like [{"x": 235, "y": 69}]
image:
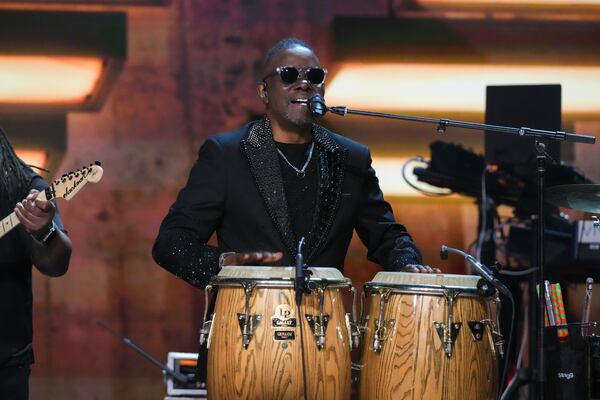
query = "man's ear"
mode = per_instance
[{"x": 262, "y": 92}]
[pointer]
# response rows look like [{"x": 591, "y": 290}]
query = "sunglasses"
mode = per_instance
[{"x": 314, "y": 75}]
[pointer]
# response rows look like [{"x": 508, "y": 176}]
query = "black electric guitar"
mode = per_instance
[{"x": 65, "y": 187}]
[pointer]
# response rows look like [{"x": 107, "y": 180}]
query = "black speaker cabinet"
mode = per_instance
[{"x": 531, "y": 106}]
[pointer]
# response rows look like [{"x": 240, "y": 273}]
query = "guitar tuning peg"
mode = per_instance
[{"x": 98, "y": 163}]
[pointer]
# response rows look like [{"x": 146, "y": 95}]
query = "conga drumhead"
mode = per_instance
[
  {"x": 439, "y": 282},
  {"x": 286, "y": 274},
  {"x": 413, "y": 362}
]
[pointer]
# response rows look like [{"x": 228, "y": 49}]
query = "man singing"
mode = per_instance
[{"x": 264, "y": 186}]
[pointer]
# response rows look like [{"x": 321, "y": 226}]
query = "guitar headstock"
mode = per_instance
[
  {"x": 70, "y": 183},
  {"x": 95, "y": 172}
]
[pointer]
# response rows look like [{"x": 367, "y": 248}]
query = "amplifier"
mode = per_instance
[{"x": 184, "y": 363}]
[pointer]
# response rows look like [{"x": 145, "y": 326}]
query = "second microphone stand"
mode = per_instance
[{"x": 300, "y": 289}]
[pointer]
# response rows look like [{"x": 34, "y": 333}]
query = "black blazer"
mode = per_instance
[{"x": 235, "y": 188}]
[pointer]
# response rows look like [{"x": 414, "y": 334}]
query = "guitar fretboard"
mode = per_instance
[
  {"x": 11, "y": 221},
  {"x": 8, "y": 224}
]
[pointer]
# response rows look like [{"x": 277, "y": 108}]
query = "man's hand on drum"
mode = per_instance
[
  {"x": 423, "y": 269},
  {"x": 252, "y": 258}
]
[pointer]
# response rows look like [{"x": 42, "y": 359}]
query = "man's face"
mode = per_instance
[{"x": 286, "y": 102}]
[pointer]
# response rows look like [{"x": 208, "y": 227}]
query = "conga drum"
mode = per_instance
[
  {"x": 254, "y": 344},
  {"x": 428, "y": 337}
]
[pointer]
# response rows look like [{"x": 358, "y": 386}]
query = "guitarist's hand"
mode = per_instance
[{"x": 35, "y": 214}]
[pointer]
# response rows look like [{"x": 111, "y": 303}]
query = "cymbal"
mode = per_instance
[{"x": 583, "y": 197}]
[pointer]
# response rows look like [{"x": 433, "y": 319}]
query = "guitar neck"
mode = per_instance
[{"x": 10, "y": 222}]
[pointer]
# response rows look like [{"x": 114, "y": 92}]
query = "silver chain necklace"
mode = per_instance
[{"x": 300, "y": 172}]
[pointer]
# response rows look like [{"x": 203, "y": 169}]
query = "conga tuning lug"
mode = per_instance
[
  {"x": 206, "y": 324},
  {"x": 448, "y": 334},
  {"x": 318, "y": 325},
  {"x": 440, "y": 328},
  {"x": 497, "y": 338},
  {"x": 248, "y": 326},
  {"x": 448, "y": 331},
  {"x": 383, "y": 328},
  {"x": 477, "y": 329},
  {"x": 205, "y": 333},
  {"x": 354, "y": 332},
  {"x": 362, "y": 325},
  {"x": 356, "y": 366}
]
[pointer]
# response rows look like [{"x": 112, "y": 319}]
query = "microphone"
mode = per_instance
[
  {"x": 316, "y": 105},
  {"x": 481, "y": 269},
  {"x": 299, "y": 281}
]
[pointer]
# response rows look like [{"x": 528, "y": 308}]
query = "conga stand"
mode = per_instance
[{"x": 535, "y": 375}]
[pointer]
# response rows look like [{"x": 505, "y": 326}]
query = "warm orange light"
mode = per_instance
[
  {"x": 47, "y": 79},
  {"x": 38, "y": 158},
  {"x": 454, "y": 87}
]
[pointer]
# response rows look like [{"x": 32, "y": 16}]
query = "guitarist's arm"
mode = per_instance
[{"x": 50, "y": 246}]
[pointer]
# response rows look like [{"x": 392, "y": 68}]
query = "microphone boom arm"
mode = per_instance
[{"x": 444, "y": 123}]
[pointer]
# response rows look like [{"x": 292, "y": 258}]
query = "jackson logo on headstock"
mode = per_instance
[
  {"x": 283, "y": 317},
  {"x": 68, "y": 190}
]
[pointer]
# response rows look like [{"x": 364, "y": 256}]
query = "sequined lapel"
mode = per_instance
[
  {"x": 332, "y": 167},
  {"x": 260, "y": 151}
]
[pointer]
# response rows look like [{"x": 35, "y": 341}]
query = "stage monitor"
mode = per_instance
[{"x": 531, "y": 106}]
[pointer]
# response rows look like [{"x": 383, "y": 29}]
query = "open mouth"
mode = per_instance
[{"x": 299, "y": 101}]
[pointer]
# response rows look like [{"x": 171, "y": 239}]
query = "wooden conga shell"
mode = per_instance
[
  {"x": 412, "y": 363},
  {"x": 269, "y": 368}
]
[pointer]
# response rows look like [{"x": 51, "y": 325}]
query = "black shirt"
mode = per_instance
[
  {"x": 16, "y": 298},
  {"x": 300, "y": 191}
]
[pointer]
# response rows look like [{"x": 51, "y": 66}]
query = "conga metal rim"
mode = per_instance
[
  {"x": 373, "y": 287},
  {"x": 275, "y": 282},
  {"x": 264, "y": 276}
]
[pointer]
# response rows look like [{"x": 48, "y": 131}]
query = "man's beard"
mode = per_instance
[{"x": 298, "y": 123}]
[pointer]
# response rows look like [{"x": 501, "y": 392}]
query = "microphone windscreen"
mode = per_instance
[
  {"x": 443, "y": 253},
  {"x": 316, "y": 104}
]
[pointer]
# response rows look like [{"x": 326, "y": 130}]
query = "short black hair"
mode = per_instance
[{"x": 281, "y": 46}]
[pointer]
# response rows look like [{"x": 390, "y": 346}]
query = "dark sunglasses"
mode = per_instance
[{"x": 314, "y": 75}]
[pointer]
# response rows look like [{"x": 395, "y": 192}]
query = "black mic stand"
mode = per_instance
[
  {"x": 318, "y": 108},
  {"x": 539, "y": 314},
  {"x": 300, "y": 288}
]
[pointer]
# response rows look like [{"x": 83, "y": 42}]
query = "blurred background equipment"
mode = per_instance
[
  {"x": 184, "y": 363},
  {"x": 179, "y": 372}
]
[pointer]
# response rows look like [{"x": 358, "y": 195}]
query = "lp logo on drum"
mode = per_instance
[{"x": 283, "y": 317}]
